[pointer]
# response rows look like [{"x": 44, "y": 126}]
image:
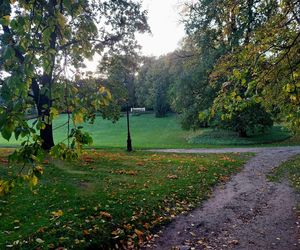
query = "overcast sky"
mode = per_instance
[{"x": 167, "y": 31}]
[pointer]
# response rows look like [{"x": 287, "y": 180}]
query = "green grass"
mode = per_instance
[
  {"x": 146, "y": 132},
  {"x": 290, "y": 170},
  {"x": 150, "y": 132},
  {"x": 107, "y": 198},
  {"x": 223, "y": 137}
]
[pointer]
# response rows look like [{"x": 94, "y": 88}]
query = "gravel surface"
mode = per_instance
[{"x": 248, "y": 212}]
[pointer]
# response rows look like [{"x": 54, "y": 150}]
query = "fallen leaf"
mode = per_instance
[
  {"x": 39, "y": 240},
  {"x": 138, "y": 232},
  {"x": 170, "y": 176},
  {"x": 106, "y": 214},
  {"x": 85, "y": 232},
  {"x": 57, "y": 213},
  {"x": 233, "y": 242}
]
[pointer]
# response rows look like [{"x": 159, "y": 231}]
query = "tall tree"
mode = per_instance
[
  {"x": 152, "y": 85},
  {"x": 42, "y": 40},
  {"x": 264, "y": 69},
  {"x": 119, "y": 71},
  {"x": 240, "y": 43}
]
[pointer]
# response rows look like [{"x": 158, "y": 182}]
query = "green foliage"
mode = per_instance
[
  {"x": 249, "y": 50},
  {"x": 245, "y": 116},
  {"x": 41, "y": 43},
  {"x": 263, "y": 67},
  {"x": 154, "y": 80},
  {"x": 120, "y": 72},
  {"x": 161, "y": 107},
  {"x": 251, "y": 119}
]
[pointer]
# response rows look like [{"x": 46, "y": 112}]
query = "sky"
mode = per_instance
[{"x": 167, "y": 31}]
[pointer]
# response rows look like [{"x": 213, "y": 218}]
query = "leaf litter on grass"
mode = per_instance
[{"x": 132, "y": 196}]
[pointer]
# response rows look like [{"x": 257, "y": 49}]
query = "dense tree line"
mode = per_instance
[{"x": 238, "y": 67}]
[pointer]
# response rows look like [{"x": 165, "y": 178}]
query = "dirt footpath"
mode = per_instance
[{"x": 246, "y": 213}]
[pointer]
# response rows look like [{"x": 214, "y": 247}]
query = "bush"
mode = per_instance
[{"x": 248, "y": 119}]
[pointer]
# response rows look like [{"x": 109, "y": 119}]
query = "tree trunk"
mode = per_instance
[
  {"x": 44, "y": 102},
  {"x": 47, "y": 137},
  {"x": 242, "y": 133},
  {"x": 43, "y": 107}
]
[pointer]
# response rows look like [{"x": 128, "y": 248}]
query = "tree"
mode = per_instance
[
  {"x": 251, "y": 51},
  {"x": 265, "y": 67},
  {"x": 152, "y": 85},
  {"x": 119, "y": 72},
  {"x": 143, "y": 87},
  {"x": 43, "y": 45},
  {"x": 190, "y": 92},
  {"x": 42, "y": 40}
]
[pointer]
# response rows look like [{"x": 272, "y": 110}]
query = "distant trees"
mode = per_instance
[
  {"x": 239, "y": 58},
  {"x": 118, "y": 72},
  {"x": 152, "y": 85}
]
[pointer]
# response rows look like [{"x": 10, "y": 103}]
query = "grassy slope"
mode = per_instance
[
  {"x": 108, "y": 198},
  {"x": 276, "y": 134},
  {"x": 150, "y": 132}
]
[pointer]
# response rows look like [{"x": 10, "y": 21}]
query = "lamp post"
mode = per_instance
[{"x": 129, "y": 145}]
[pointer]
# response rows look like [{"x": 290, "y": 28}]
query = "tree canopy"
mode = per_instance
[{"x": 43, "y": 45}]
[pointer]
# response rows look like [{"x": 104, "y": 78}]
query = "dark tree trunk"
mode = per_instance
[
  {"x": 43, "y": 104},
  {"x": 47, "y": 137},
  {"x": 44, "y": 101},
  {"x": 242, "y": 133},
  {"x": 43, "y": 107}
]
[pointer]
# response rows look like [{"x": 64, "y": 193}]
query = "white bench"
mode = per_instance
[{"x": 138, "y": 110}]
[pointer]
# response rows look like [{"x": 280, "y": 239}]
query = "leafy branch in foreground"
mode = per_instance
[{"x": 43, "y": 45}]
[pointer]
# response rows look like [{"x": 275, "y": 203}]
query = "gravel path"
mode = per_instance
[{"x": 246, "y": 213}]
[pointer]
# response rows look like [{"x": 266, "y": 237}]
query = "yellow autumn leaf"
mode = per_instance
[
  {"x": 2, "y": 187},
  {"x": 101, "y": 90},
  {"x": 61, "y": 20},
  {"x": 78, "y": 117},
  {"x": 39, "y": 169},
  {"x": 53, "y": 112},
  {"x": 108, "y": 95},
  {"x": 57, "y": 213},
  {"x": 138, "y": 232},
  {"x": 34, "y": 180},
  {"x": 6, "y": 20},
  {"x": 293, "y": 98}
]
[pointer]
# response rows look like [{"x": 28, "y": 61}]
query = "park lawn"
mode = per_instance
[
  {"x": 146, "y": 132},
  {"x": 289, "y": 170},
  {"x": 108, "y": 198},
  {"x": 275, "y": 136},
  {"x": 150, "y": 132}
]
